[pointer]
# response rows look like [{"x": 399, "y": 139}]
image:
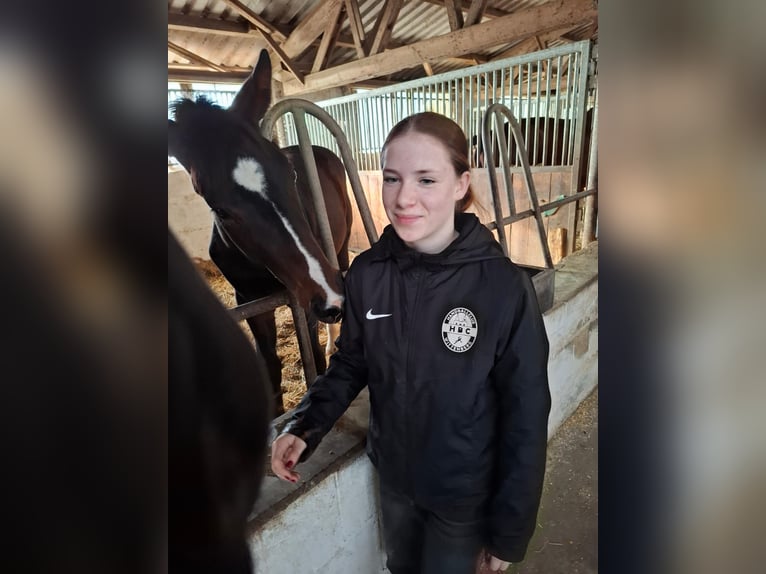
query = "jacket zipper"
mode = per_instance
[{"x": 408, "y": 378}]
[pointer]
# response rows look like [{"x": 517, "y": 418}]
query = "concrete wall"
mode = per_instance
[
  {"x": 572, "y": 327},
  {"x": 188, "y": 215},
  {"x": 332, "y": 528},
  {"x": 328, "y": 523}
]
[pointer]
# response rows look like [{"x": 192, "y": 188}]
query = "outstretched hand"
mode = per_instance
[{"x": 286, "y": 450}]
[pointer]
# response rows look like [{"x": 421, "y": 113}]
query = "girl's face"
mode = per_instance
[{"x": 420, "y": 189}]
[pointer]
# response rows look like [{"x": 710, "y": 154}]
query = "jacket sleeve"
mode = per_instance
[
  {"x": 520, "y": 377},
  {"x": 332, "y": 393}
]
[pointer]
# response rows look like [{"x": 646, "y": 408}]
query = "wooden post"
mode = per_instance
[{"x": 557, "y": 243}]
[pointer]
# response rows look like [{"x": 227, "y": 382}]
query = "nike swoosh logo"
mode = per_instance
[{"x": 371, "y": 316}]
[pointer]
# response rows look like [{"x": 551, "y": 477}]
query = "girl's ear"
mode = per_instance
[{"x": 462, "y": 188}]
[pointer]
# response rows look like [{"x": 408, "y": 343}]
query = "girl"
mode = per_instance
[{"x": 447, "y": 333}]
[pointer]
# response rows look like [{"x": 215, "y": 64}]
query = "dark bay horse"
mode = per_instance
[
  {"x": 218, "y": 426},
  {"x": 265, "y": 230}
]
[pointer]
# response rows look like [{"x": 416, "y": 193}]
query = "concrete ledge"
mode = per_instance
[
  {"x": 329, "y": 522},
  {"x": 572, "y": 326}
]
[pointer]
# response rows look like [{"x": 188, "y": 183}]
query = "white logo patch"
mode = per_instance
[{"x": 459, "y": 330}]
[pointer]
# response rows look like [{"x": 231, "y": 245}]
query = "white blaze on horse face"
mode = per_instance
[{"x": 249, "y": 174}]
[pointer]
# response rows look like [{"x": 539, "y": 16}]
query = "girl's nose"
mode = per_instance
[{"x": 407, "y": 195}]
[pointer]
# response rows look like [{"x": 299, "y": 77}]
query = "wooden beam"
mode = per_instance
[
  {"x": 519, "y": 25},
  {"x": 322, "y": 17},
  {"x": 470, "y": 59},
  {"x": 288, "y": 63},
  {"x": 177, "y": 67},
  {"x": 524, "y": 47},
  {"x": 373, "y": 84},
  {"x": 454, "y": 14},
  {"x": 207, "y": 76},
  {"x": 344, "y": 41},
  {"x": 357, "y": 28},
  {"x": 255, "y": 19},
  {"x": 429, "y": 70},
  {"x": 192, "y": 57},
  {"x": 465, "y": 6},
  {"x": 532, "y": 44},
  {"x": 475, "y": 13},
  {"x": 569, "y": 37},
  {"x": 184, "y": 23},
  {"x": 385, "y": 23},
  {"x": 329, "y": 38}
]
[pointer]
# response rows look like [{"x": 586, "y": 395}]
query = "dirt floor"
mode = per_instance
[{"x": 293, "y": 383}]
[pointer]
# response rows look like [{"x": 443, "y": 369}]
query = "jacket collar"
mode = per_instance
[{"x": 474, "y": 242}]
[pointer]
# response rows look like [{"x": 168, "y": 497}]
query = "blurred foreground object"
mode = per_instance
[
  {"x": 83, "y": 344},
  {"x": 682, "y": 173},
  {"x": 218, "y": 428}
]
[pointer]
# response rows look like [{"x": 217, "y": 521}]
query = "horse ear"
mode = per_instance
[{"x": 254, "y": 97}]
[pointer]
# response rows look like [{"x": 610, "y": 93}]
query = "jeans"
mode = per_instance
[{"x": 421, "y": 542}]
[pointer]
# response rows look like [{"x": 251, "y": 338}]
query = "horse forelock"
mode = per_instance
[
  {"x": 201, "y": 121},
  {"x": 206, "y": 135},
  {"x": 186, "y": 107}
]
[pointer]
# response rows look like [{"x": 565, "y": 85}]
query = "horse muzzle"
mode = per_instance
[{"x": 327, "y": 314}]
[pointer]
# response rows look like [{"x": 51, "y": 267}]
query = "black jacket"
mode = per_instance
[{"x": 454, "y": 351}]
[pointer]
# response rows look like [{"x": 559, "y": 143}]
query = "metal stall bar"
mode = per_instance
[
  {"x": 267, "y": 127},
  {"x": 468, "y": 82},
  {"x": 538, "y": 115},
  {"x": 548, "y": 68},
  {"x": 307, "y": 153},
  {"x": 258, "y": 306},
  {"x": 580, "y": 104},
  {"x": 501, "y": 221},
  {"x": 495, "y": 111},
  {"x": 592, "y": 172},
  {"x": 264, "y": 304}
]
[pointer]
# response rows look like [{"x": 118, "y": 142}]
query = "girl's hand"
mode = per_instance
[
  {"x": 489, "y": 563},
  {"x": 285, "y": 452},
  {"x": 497, "y": 565}
]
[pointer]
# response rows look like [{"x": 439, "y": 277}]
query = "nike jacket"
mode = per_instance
[{"x": 454, "y": 351}]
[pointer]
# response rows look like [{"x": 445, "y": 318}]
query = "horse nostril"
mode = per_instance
[{"x": 327, "y": 313}]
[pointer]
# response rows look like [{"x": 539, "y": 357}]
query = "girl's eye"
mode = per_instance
[
  {"x": 426, "y": 181},
  {"x": 389, "y": 179}
]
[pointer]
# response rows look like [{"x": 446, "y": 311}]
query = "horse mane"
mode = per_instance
[{"x": 184, "y": 107}]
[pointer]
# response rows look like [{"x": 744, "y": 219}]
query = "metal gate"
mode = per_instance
[{"x": 546, "y": 91}]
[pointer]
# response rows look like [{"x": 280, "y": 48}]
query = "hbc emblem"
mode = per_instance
[{"x": 459, "y": 330}]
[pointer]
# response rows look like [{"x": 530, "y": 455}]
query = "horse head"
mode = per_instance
[{"x": 250, "y": 186}]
